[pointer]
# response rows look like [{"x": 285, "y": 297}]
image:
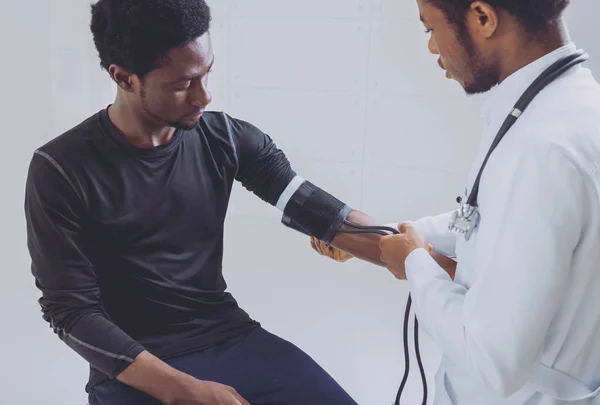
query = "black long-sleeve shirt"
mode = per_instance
[{"x": 127, "y": 243}]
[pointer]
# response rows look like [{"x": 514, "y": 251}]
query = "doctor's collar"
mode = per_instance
[{"x": 500, "y": 99}]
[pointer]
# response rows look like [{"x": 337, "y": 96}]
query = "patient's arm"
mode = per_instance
[{"x": 366, "y": 247}]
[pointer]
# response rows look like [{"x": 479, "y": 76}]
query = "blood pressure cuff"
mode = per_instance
[{"x": 312, "y": 211}]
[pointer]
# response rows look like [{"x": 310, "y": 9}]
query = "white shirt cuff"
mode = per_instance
[{"x": 420, "y": 266}]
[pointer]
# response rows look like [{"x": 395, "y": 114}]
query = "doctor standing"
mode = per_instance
[{"x": 519, "y": 323}]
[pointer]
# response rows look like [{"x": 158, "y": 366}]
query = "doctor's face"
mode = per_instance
[{"x": 460, "y": 54}]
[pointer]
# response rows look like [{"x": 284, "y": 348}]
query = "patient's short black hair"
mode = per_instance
[{"x": 138, "y": 34}]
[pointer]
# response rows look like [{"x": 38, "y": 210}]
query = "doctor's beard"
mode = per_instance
[{"x": 480, "y": 75}]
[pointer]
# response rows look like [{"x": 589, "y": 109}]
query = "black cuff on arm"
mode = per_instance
[
  {"x": 315, "y": 212},
  {"x": 265, "y": 170}
]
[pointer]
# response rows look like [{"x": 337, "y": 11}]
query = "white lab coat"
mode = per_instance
[{"x": 523, "y": 314}]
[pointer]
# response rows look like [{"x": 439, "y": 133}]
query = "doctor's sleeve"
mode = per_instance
[
  {"x": 435, "y": 231},
  {"x": 496, "y": 329}
]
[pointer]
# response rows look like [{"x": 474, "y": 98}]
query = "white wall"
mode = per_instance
[{"x": 345, "y": 87}]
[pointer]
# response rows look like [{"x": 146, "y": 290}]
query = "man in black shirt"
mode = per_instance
[{"x": 125, "y": 218}]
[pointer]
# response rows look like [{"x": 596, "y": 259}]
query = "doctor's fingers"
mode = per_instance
[
  {"x": 391, "y": 241},
  {"x": 413, "y": 235},
  {"x": 409, "y": 230},
  {"x": 392, "y": 247},
  {"x": 397, "y": 270}
]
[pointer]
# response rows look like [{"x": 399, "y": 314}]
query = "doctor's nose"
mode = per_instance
[{"x": 432, "y": 46}]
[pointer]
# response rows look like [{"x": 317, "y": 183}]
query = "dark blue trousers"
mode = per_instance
[{"x": 263, "y": 368}]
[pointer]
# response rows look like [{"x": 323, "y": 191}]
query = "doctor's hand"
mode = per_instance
[
  {"x": 396, "y": 248},
  {"x": 323, "y": 249}
]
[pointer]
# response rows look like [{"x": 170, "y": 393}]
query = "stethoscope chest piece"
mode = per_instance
[{"x": 465, "y": 220}]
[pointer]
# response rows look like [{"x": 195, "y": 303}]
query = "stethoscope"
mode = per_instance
[
  {"x": 467, "y": 217},
  {"x": 385, "y": 231}
]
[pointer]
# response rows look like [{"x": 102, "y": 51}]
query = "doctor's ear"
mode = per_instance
[{"x": 483, "y": 19}]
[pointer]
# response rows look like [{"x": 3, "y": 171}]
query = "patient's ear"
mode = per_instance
[{"x": 122, "y": 77}]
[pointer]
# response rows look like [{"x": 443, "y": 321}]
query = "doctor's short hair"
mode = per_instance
[
  {"x": 138, "y": 34},
  {"x": 535, "y": 15}
]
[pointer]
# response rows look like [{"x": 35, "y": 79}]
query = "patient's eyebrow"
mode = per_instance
[{"x": 192, "y": 76}]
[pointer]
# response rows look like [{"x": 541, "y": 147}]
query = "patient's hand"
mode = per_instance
[{"x": 323, "y": 249}]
